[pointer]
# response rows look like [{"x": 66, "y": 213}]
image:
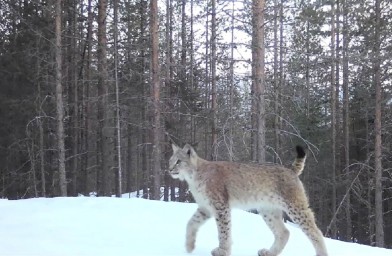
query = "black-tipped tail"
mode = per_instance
[
  {"x": 299, "y": 162},
  {"x": 300, "y": 152}
]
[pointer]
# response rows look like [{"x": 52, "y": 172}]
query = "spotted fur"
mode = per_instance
[{"x": 219, "y": 186}]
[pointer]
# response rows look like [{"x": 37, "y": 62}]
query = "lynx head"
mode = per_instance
[{"x": 183, "y": 161}]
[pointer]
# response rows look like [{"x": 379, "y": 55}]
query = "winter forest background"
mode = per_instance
[{"x": 93, "y": 92}]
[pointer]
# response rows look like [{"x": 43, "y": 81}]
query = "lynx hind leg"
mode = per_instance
[
  {"x": 198, "y": 219},
  {"x": 303, "y": 216},
  {"x": 274, "y": 220},
  {"x": 223, "y": 222}
]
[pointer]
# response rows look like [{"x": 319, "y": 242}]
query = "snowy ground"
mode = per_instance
[{"x": 135, "y": 227}]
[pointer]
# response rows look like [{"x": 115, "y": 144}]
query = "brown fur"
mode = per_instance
[{"x": 218, "y": 186}]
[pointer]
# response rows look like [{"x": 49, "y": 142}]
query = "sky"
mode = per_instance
[{"x": 133, "y": 226}]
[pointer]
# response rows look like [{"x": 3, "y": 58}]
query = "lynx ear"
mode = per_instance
[
  {"x": 175, "y": 147},
  {"x": 188, "y": 149}
]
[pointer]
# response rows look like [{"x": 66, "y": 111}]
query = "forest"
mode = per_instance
[{"x": 94, "y": 92}]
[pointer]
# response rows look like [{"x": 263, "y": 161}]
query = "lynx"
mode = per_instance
[{"x": 219, "y": 186}]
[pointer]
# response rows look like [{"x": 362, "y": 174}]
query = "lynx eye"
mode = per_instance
[{"x": 178, "y": 162}]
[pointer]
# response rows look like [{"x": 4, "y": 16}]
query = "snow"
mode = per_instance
[{"x": 137, "y": 227}]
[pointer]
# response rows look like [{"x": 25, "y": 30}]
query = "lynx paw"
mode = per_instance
[
  {"x": 220, "y": 252},
  {"x": 190, "y": 245},
  {"x": 265, "y": 252}
]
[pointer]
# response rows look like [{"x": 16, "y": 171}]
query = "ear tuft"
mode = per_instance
[{"x": 175, "y": 147}]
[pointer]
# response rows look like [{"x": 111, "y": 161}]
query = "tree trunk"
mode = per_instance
[
  {"x": 214, "y": 135},
  {"x": 129, "y": 161},
  {"x": 281, "y": 74},
  {"x": 192, "y": 84},
  {"x": 74, "y": 82},
  {"x": 143, "y": 133},
  {"x": 118, "y": 125},
  {"x": 258, "y": 78},
  {"x": 182, "y": 119},
  {"x": 89, "y": 113},
  {"x": 105, "y": 177},
  {"x": 346, "y": 118},
  {"x": 31, "y": 154},
  {"x": 231, "y": 93},
  {"x": 307, "y": 71},
  {"x": 206, "y": 83},
  {"x": 170, "y": 184},
  {"x": 155, "y": 95},
  {"x": 333, "y": 121},
  {"x": 60, "y": 104},
  {"x": 42, "y": 159},
  {"x": 41, "y": 142},
  {"x": 83, "y": 112},
  {"x": 276, "y": 86},
  {"x": 377, "y": 127},
  {"x": 370, "y": 177},
  {"x": 307, "y": 177},
  {"x": 183, "y": 67}
]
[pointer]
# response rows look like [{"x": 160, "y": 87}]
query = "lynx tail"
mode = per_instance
[{"x": 299, "y": 162}]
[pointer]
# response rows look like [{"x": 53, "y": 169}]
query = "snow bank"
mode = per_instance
[{"x": 137, "y": 227}]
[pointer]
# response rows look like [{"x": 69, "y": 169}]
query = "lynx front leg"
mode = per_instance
[
  {"x": 199, "y": 218},
  {"x": 274, "y": 220},
  {"x": 223, "y": 221}
]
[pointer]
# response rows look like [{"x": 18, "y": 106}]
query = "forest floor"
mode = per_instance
[{"x": 132, "y": 226}]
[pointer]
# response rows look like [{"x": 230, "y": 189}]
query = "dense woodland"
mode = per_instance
[{"x": 93, "y": 92}]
